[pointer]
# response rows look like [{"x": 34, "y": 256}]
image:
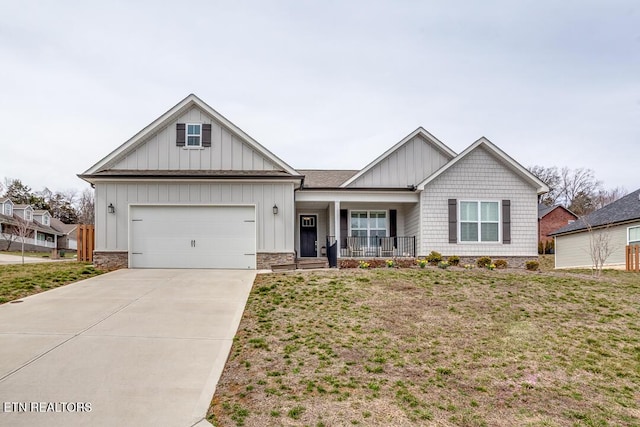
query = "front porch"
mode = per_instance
[{"x": 375, "y": 247}]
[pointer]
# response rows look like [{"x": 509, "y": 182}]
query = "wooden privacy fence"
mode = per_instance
[
  {"x": 86, "y": 241},
  {"x": 633, "y": 258}
]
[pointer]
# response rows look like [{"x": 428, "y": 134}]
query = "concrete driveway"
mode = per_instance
[{"x": 128, "y": 348}]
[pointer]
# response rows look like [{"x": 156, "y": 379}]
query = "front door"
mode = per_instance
[{"x": 308, "y": 235}]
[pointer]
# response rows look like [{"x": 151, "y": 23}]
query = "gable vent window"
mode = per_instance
[{"x": 194, "y": 135}]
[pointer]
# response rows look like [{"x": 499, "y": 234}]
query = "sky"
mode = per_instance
[{"x": 324, "y": 84}]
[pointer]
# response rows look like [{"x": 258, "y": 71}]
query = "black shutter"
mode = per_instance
[
  {"x": 206, "y": 135},
  {"x": 180, "y": 134},
  {"x": 506, "y": 222},
  {"x": 453, "y": 221},
  {"x": 344, "y": 227},
  {"x": 393, "y": 223}
]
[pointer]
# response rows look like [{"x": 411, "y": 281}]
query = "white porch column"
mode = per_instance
[{"x": 336, "y": 224}]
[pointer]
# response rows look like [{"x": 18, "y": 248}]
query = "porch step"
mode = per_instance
[{"x": 312, "y": 263}]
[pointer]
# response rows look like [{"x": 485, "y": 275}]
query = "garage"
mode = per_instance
[{"x": 179, "y": 236}]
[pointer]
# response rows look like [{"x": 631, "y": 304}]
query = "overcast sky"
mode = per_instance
[{"x": 325, "y": 84}]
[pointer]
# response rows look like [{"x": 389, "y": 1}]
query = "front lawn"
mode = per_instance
[
  {"x": 415, "y": 347},
  {"x": 18, "y": 280},
  {"x": 37, "y": 254}
]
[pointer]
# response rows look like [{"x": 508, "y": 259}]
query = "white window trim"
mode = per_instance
[
  {"x": 479, "y": 222},
  {"x": 8, "y": 209},
  {"x": 187, "y": 134},
  {"x": 28, "y": 215},
  {"x": 368, "y": 212},
  {"x": 629, "y": 234}
]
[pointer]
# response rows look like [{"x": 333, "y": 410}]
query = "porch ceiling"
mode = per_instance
[{"x": 363, "y": 196}]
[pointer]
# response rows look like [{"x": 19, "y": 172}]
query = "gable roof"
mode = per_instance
[
  {"x": 544, "y": 210},
  {"x": 421, "y": 132},
  {"x": 62, "y": 227},
  {"x": 5, "y": 199},
  {"x": 182, "y": 106},
  {"x": 318, "y": 178},
  {"x": 622, "y": 210},
  {"x": 511, "y": 163}
]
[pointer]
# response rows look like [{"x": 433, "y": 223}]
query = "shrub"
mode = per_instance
[
  {"x": 434, "y": 258},
  {"x": 443, "y": 264},
  {"x": 549, "y": 247},
  {"x": 468, "y": 266},
  {"x": 454, "y": 260},
  {"x": 390, "y": 263},
  {"x": 532, "y": 265},
  {"x": 483, "y": 262},
  {"x": 501, "y": 263},
  {"x": 540, "y": 248},
  {"x": 364, "y": 264},
  {"x": 422, "y": 263},
  {"x": 491, "y": 267}
]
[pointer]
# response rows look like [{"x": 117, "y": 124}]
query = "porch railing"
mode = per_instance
[{"x": 371, "y": 247}]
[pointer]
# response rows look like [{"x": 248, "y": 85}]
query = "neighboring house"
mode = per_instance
[
  {"x": 620, "y": 219},
  {"x": 40, "y": 236},
  {"x": 552, "y": 218},
  {"x": 193, "y": 190},
  {"x": 68, "y": 239}
]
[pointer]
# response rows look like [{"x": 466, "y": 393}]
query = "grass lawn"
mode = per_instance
[
  {"x": 35, "y": 254},
  {"x": 411, "y": 347},
  {"x": 17, "y": 280}
]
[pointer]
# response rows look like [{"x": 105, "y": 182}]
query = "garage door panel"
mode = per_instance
[{"x": 193, "y": 237}]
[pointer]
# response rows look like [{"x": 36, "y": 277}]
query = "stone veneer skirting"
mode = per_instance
[
  {"x": 116, "y": 260},
  {"x": 110, "y": 260},
  {"x": 266, "y": 259}
]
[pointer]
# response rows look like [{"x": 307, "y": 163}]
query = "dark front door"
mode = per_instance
[{"x": 308, "y": 235}]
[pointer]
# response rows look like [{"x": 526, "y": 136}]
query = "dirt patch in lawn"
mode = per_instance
[{"x": 409, "y": 347}]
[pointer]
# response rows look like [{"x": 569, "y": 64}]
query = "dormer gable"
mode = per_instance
[
  {"x": 43, "y": 217},
  {"x": 24, "y": 211},
  {"x": 6, "y": 207}
]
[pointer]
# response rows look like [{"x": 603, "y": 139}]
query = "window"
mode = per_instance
[
  {"x": 194, "y": 135},
  {"x": 45, "y": 219},
  {"x": 27, "y": 215},
  {"x": 633, "y": 235},
  {"x": 7, "y": 209},
  {"x": 369, "y": 224},
  {"x": 479, "y": 221}
]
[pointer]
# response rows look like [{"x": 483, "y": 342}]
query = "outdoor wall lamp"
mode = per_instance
[
  {"x": 275, "y": 209},
  {"x": 111, "y": 208}
]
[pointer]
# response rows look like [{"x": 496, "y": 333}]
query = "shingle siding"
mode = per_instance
[{"x": 479, "y": 176}]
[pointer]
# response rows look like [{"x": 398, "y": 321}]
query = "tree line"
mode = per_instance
[
  {"x": 576, "y": 189},
  {"x": 69, "y": 206}
]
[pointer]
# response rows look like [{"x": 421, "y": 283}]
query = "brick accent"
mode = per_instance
[
  {"x": 110, "y": 260},
  {"x": 265, "y": 260}
]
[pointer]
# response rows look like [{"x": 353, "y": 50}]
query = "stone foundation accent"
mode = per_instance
[
  {"x": 265, "y": 260},
  {"x": 110, "y": 260}
]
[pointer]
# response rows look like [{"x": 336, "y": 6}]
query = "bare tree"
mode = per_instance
[
  {"x": 604, "y": 197},
  {"x": 22, "y": 229},
  {"x": 551, "y": 177},
  {"x": 86, "y": 207},
  {"x": 600, "y": 247}
]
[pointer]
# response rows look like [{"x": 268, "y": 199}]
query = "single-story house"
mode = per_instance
[
  {"x": 40, "y": 235},
  {"x": 69, "y": 234},
  {"x": 620, "y": 220},
  {"x": 192, "y": 190},
  {"x": 552, "y": 218}
]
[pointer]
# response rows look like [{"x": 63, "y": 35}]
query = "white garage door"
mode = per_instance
[{"x": 192, "y": 237}]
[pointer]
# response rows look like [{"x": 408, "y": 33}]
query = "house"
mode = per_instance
[
  {"x": 620, "y": 220},
  {"x": 550, "y": 219},
  {"x": 40, "y": 235},
  {"x": 68, "y": 240},
  {"x": 193, "y": 190}
]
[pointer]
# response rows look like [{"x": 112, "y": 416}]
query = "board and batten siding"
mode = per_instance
[
  {"x": 572, "y": 250},
  {"x": 480, "y": 176},
  {"x": 275, "y": 233},
  {"x": 412, "y": 223},
  {"x": 408, "y": 165},
  {"x": 227, "y": 151}
]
